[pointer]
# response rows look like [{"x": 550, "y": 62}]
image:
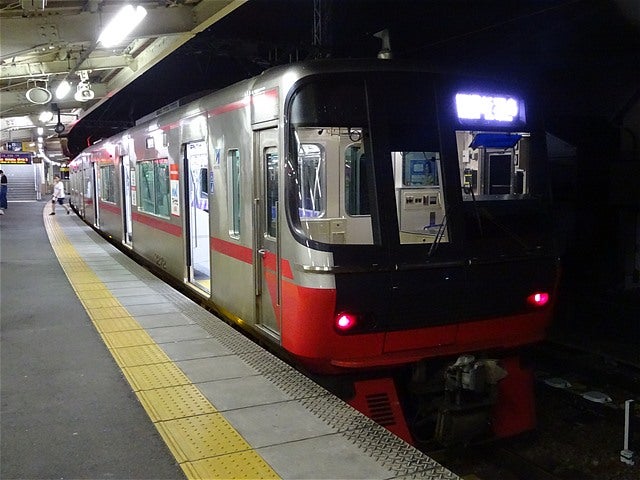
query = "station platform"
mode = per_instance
[{"x": 107, "y": 372}]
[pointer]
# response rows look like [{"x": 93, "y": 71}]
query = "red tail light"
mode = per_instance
[
  {"x": 345, "y": 322},
  {"x": 538, "y": 299}
]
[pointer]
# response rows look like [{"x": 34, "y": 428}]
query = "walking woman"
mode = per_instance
[{"x": 58, "y": 195}]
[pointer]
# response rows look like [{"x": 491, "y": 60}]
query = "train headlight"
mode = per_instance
[
  {"x": 345, "y": 322},
  {"x": 538, "y": 299}
]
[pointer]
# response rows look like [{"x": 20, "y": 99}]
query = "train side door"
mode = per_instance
[
  {"x": 498, "y": 172},
  {"x": 125, "y": 175},
  {"x": 266, "y": 211},
  {"x": 196, "y": 186}
]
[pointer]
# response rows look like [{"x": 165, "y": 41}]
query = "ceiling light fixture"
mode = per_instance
[
  {"x": 46, "y": 116},
  {"x": 38, "y": 94},
  {"x": 63, "y": 89},
  {"x": 121, "y": 25},
  {"x": 83, "y": 91}
]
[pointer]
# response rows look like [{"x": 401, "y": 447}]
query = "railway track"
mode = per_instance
[{"x": 580, "y": 435}]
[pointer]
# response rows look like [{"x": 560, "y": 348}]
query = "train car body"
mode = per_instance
[{"x": 370, "y": 218}]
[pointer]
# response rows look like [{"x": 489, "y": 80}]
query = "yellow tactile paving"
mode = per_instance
[
  {"x": 201, "y": 436},
  {"x": 85, "y": 277},
  {"x": 147, "y": 377},
  {"x": 235, "y": 465},
  {"x": 204, "y": 443},
  {"x": 99, "y": 312},
  {"x": 116, "y": 325},
  {"x": 139, "y": 355},
  {"x": 174, "y": 402},
  {"x": 130, "y": 338},
  {"x": 74, "y": 269},
  {"x": 88, "y": 287},
  {"x": 91, "y": 294},
  {"x": 106, "y": 302}
]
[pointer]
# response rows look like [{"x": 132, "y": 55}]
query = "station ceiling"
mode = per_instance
[{"x": 583, "y": 54}]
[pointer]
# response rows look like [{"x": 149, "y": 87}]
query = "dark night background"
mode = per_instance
[{"x": 583, "y": 56}]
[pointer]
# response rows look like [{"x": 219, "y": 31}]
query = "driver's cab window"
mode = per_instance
[
  {"x": 332, "y": 183},
  {"x": 419, "y": 197}
]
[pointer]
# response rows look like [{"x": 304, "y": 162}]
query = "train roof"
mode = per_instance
[{"x": 273, "y": 76}]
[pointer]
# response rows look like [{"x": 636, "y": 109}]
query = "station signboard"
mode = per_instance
[{"x": 15, "y": 158}]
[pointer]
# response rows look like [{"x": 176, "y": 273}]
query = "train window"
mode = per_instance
[
  {"x": 107, "y": 183},
  {"x": 311, "y": 180},
  {"x": 494, "y": 165},
  {"x": 233, "y": 202},
  {"x": 356, "y": 181},
  {"x": 154, "y": 187},
  {"x": 204, "y": 183},
  {"x": 271, "y": 190},
  {"x": 420, "y": 198},
  {"x": 327, "y": 162}
]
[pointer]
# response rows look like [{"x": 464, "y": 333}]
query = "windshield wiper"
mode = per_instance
[
  {"x": 439, "y": 236},
  {"x": 469, "y": 190}
]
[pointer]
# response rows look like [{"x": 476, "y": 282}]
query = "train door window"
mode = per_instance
[
  {"x": 154, "y": 187},
  {"x": 271, "y": 207},
  {"x": 356, "y": 181},
  {"x": 498, "y": 173},
  {"x": 107, "y": 183},
  {"x": 204, "y": 183},
  {"x": 233, "y": 202},
  {"x": 494, "y": 165}
]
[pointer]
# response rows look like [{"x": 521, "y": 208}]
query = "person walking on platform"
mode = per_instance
[
  {"x": 58, "y": 195},
  {"x": 3, "y": 192}
]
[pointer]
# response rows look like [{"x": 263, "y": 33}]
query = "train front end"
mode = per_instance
[{"x": 421, "y": 242}]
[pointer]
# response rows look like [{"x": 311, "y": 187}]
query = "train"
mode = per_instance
[{"x": 380, "y": 223}]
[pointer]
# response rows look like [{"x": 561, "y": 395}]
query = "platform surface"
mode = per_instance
[{"x": 107, "y": 372}]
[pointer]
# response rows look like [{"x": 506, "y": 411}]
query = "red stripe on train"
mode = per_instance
[
  {"x": 109, "y": 207},
  {"x": 245, "y": 254},
  {"x": 158, "y": 224}
]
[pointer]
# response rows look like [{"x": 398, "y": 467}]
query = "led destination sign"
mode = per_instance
[
  {"x": 15, "y": 158},
  {"x": 489, "y": 109}
]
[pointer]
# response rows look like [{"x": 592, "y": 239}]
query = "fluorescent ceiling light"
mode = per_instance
[
  {"x": 63, "y": 89},
  {"x": 121, "y": 25},
  {"x": 46, "y": 116}
]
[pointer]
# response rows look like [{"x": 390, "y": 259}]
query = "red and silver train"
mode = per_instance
[{"x": 369, "y": 218}]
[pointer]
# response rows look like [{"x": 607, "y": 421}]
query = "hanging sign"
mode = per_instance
[{"x": 15, "y": 158}]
